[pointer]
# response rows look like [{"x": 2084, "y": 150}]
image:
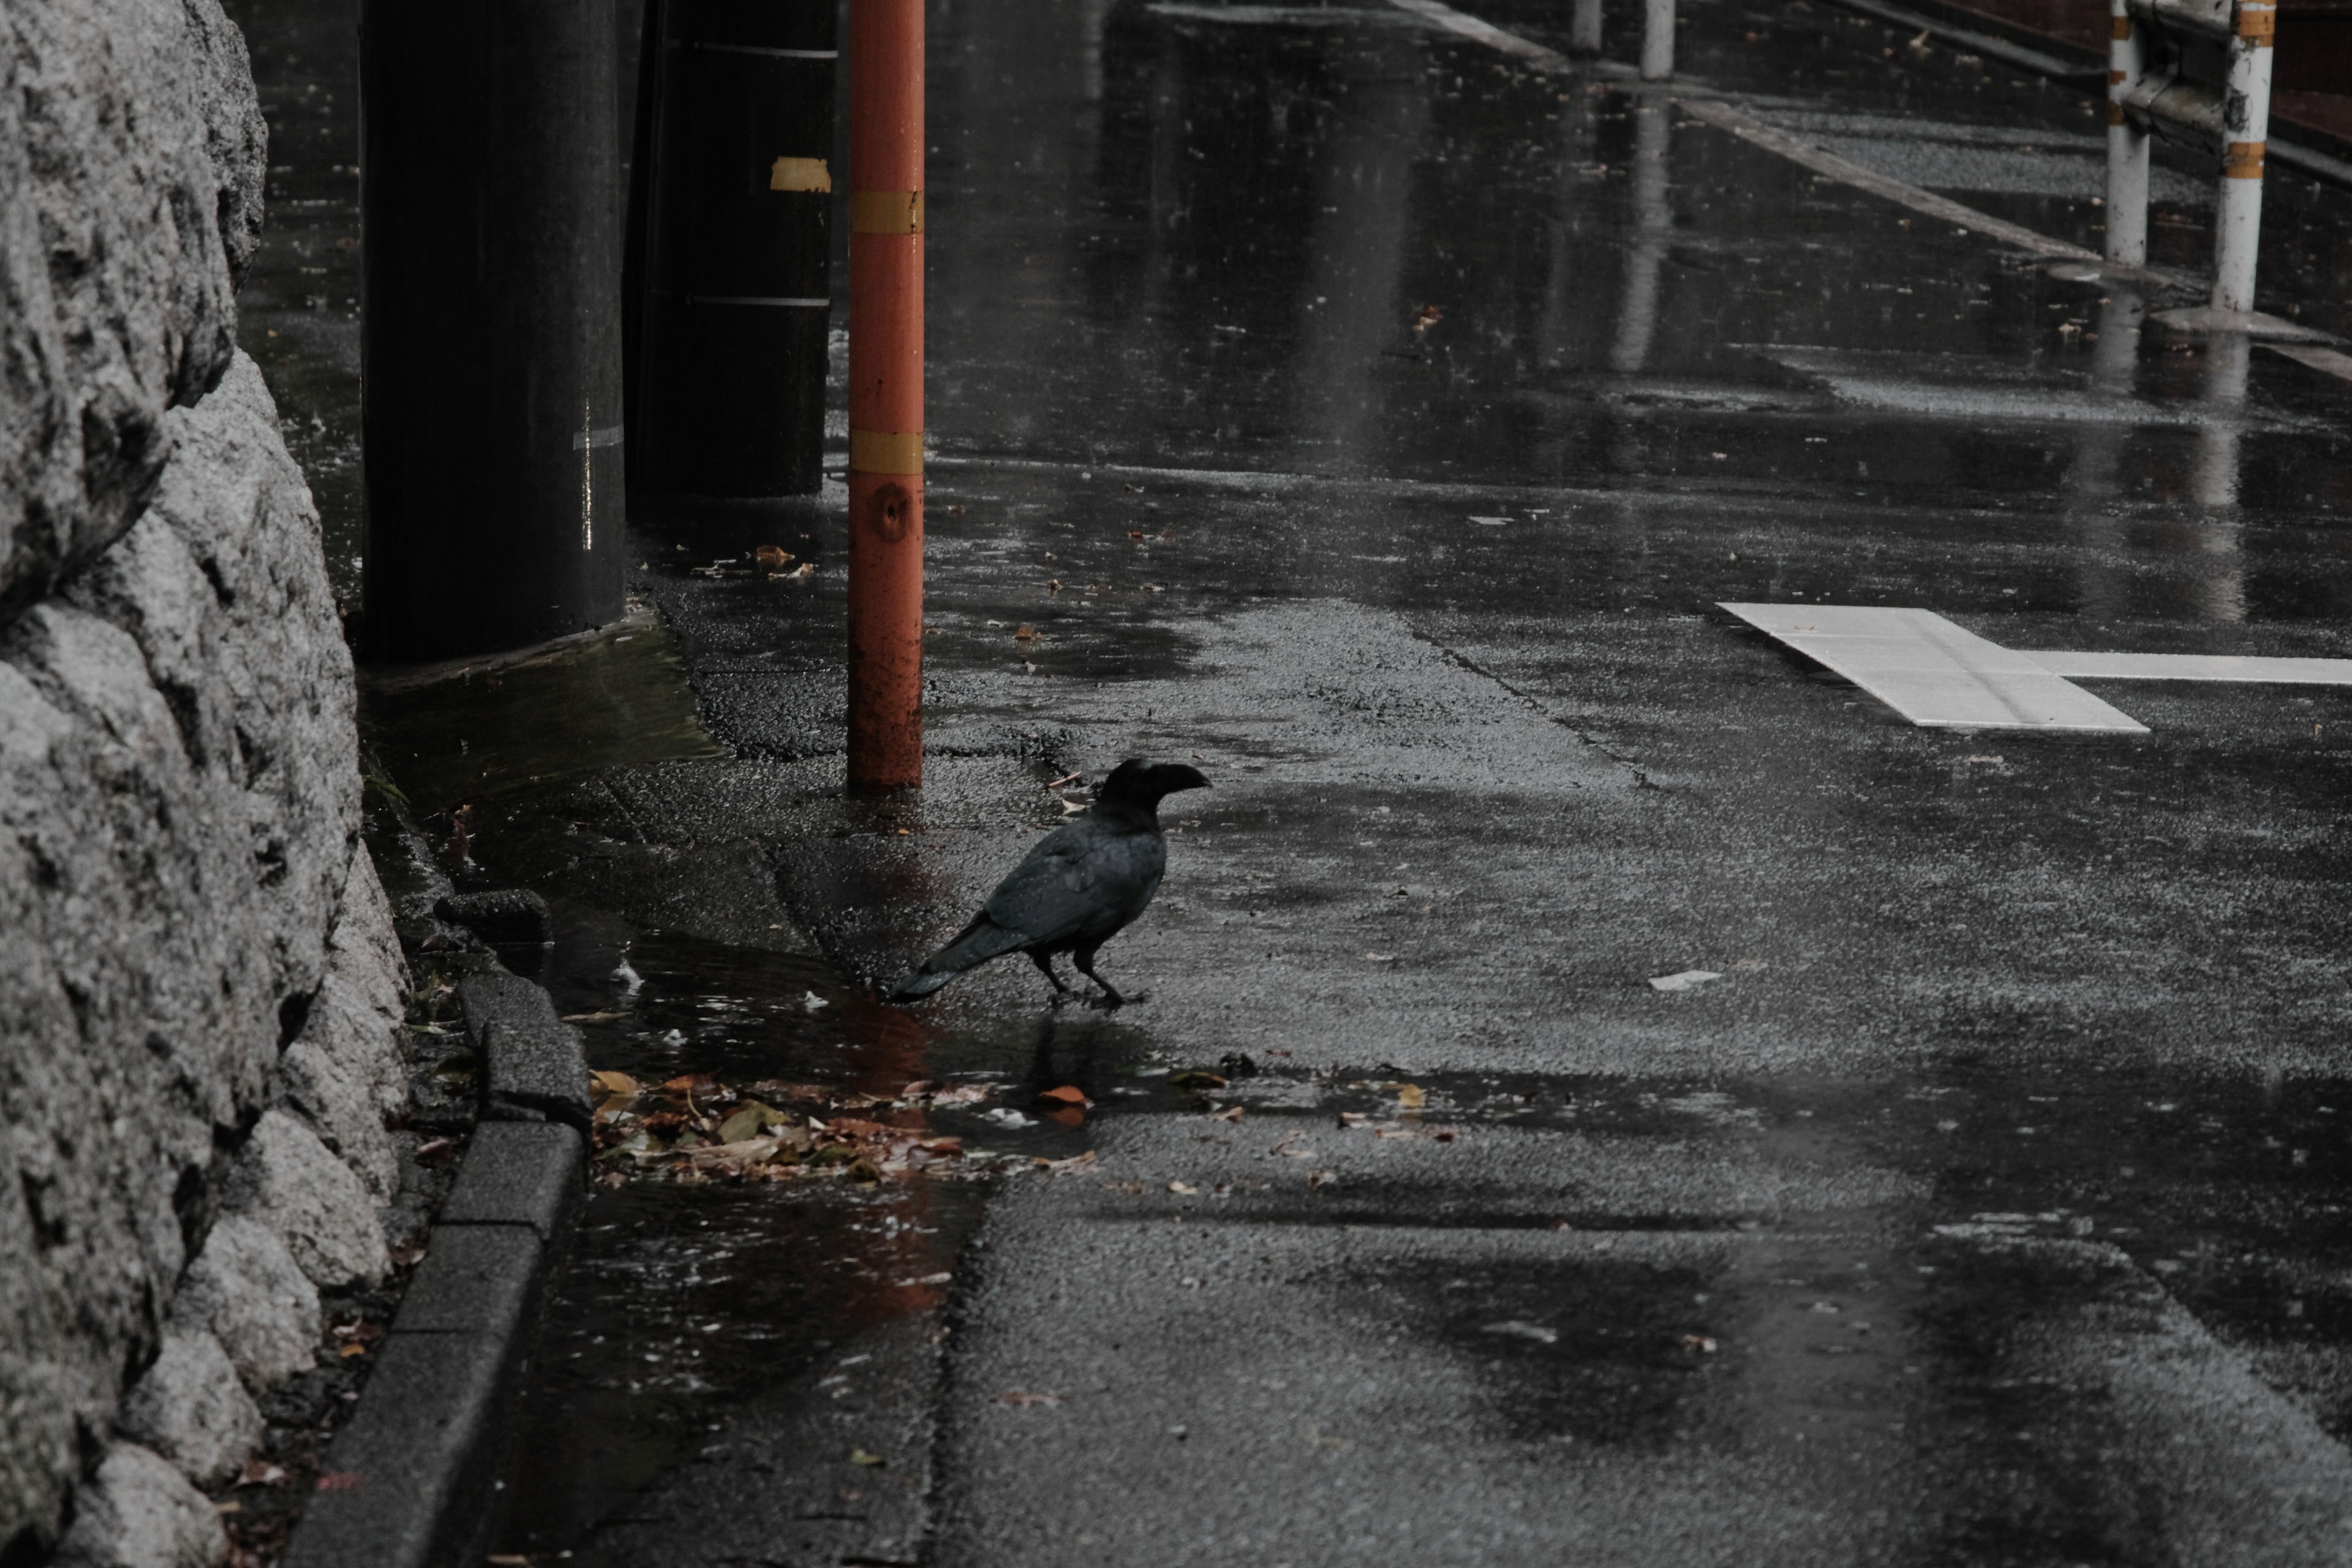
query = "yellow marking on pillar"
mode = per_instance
[
  {"x": 2243, "y": 161},
  {"x": 2115, "y": 113},
  {"x": 885, "y": 212},
  {"x": 799, "y": 174},
  {"x": 2258, "y": 24},
  {"x": 2115, "y": 78},
  {"x": 2119, "y": 26},
  {"x": 886, "y": 451}
]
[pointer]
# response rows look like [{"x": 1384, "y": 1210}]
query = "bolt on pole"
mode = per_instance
[
  {"x": 2127, "y": 144},
  {"x": 2245, "y": 127},
  {"x": 886, "y": 394}
]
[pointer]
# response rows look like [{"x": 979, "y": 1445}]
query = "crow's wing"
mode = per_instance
[{"x": 1082, "y": 880}]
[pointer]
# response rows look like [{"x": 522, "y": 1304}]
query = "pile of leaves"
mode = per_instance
[{"x": 696, "y": 1129}]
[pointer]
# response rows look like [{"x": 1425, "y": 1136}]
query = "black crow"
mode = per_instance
[{"x": 1076, "y": 891}]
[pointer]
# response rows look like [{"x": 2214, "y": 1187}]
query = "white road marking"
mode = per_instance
[
  {"x": 2328, "y": 360},
  {"x": 1933, "y": 673},
  {"x": 1748, "y": 128},
  {"x": 2246, "y": 667},
  {"x": 1486, "y": 33},
  {"x": 1724, "y": 117}
]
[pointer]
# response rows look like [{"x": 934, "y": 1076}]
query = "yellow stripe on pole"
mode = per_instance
[
  {"x": 2243, "y": 161},
  {"x": 885, "y": 451},
  {"x": 2258, "y": 23},
  {"x": 885, "y": 212}
]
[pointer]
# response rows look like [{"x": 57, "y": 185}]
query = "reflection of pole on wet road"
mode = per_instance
[
  {"x": 1637, "y": 310},
  {"x": 886, "y": 394},
  {"x": 490, "y": 336},
  {"x": 2213, "y": 482},
  {"x": 2094, "y": 481}
]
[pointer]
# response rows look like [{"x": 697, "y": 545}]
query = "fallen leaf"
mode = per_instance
[
  {"x": 1067, "y": 1094},
  {"x": 773, "y": 557},
  {"x": 690, "y": 1083},
  {"x": 1413, "y": 1097},
  {"x": 1318, "y": 1180},
  {"x": 1071, "y": 1166},
  {"x": 1026, "y": 633},
  {"x": 872, "y": 1461},
  {"x": 615, "y": 1082},
  {"x": 262, "y": 1473},
  {"x": 352, "y": 1350},
  {"x": 1019, "y": 1397},
  {"x": 1699, "y": 1342},
  {"x": 1430, "y": 316},
  {"x": 1230, "y": 1113},
  {"x": 806, "y": 570},
  {"x": 1684, "y": 980},
  {"x": 592, "y": 1018},
  {"x": 1197, "y": 1079},
  {"x": 1184, "y": 1187},
  {"x": 744, "y": 1124}
]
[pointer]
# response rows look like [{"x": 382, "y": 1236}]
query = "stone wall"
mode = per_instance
[{"x": 200, "y": 992}]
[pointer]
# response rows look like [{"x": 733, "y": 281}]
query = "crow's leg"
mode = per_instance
[
  {"x": 1085, "y": 958},
  {"x": 1046, "y": 965}
]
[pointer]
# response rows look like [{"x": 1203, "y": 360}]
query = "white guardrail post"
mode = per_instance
[
  {"x": 2161, "y": 68},
  {"x": 2127, "y": 140},
  {"x": 2245, "y": 127},
  {"x": 1584, "y": 26},
  {"x": 1658, "y": 40}
]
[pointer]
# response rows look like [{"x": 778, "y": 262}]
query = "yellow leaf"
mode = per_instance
[
  {"x": 1413, "y": 1097},
  {"x": 860, "y": 1457},
  {"x": 613, "y": 1082}
]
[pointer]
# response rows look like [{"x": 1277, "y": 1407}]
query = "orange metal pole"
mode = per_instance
[{"x": 886, "y": 394}]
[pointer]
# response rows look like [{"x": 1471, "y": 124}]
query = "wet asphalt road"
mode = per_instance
[{"x": 1377, "y": 422}]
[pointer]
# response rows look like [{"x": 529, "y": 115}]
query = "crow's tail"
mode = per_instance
[{"x": 973, "y": 946}]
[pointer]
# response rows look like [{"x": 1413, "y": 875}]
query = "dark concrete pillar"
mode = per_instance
[
  {"x": 490, "y": 338},
  {"x": 729, "y": 252}
]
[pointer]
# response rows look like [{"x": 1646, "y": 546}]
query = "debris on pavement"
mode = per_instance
[{"x": 1684, "y": 980}]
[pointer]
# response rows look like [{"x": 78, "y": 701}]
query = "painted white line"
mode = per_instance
[
  {"x": 1724, "y": 117},
  {"x": 2250, "y": 669},
  {"x": 1486, "y": 33},
  {"x": 1933, "y": 673},
  {"x": 1280, "y": 16},
  {"x": 2329, "y": 360}
]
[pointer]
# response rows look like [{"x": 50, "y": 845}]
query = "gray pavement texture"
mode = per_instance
[{"x": 1373, "y": 421}]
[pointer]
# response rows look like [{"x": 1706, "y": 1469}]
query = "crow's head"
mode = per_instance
[{"x": 1140, "y": 784}]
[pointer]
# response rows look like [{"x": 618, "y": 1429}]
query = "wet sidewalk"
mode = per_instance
[{"x": 1375, "y": 419}]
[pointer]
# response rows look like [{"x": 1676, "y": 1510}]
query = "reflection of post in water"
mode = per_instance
[
  {"x": 1356, "y": 248},
  {"x": 1637, "y": 312},
  {"x": 2094, "y": 482},
  {"x": 2213, "y": 482}
]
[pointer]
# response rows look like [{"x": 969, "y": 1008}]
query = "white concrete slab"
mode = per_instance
[
  {"x": 1933, "y": 673},
  {"x": 2196, "y": 667}
]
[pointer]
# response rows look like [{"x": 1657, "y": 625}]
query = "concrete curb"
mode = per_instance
[{"x": 407, "y": 1481}]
